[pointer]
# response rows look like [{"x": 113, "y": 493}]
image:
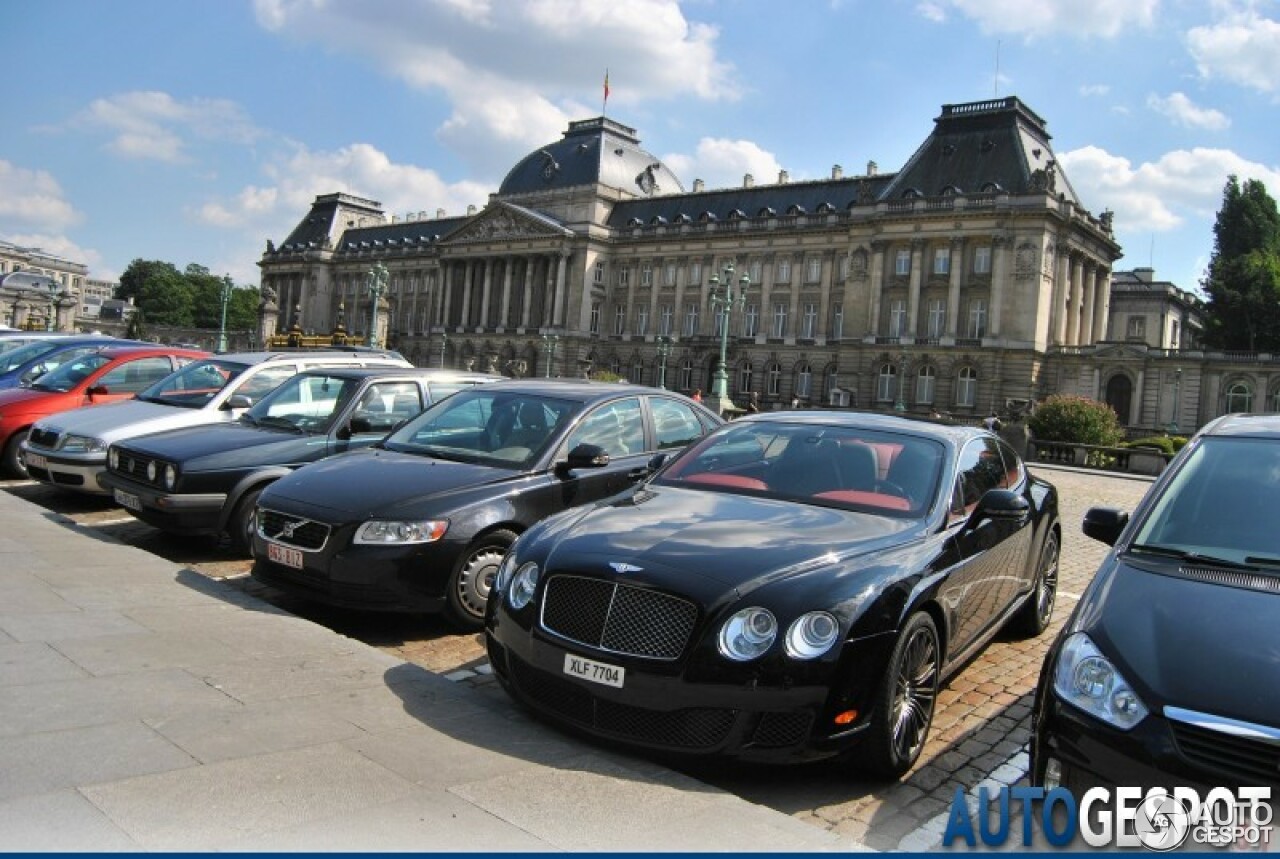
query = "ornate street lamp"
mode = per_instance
[
  {"x": 664, "y": 350},
  {"x": 377, "y": 285},
  {"x": 1177, "y": 392},
  {"x": 724, "y": 301},
  {"x": 549, "y": 346},
  {"x": 901, "y": 404},
  {"x": 53, "y": 306},
  {"x": 222, "y": 326},
  {"x": 444, "y": 341}
]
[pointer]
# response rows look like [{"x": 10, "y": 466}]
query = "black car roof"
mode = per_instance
[
  {"x": 578, "y": 389},
  {"x": 1252, "y": 425},
  {"x": 355, "y": 372},
  {"x": 956, "y": 434}
]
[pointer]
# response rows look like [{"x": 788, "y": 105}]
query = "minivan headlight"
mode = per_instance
[
  {"x": 382, "y": 533},
  {"x": 1087, "y": 679}
]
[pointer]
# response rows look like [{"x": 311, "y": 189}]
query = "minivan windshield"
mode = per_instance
[
  {"x": 193, "y": 385},
  {"x": 1220, "y": 505}
]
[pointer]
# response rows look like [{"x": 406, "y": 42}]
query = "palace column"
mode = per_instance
[
  {"x": 486, "y": 294},
  {"x": 877, "y": 287},
  {"x": 504, "y": 311},
  {"x": 1075, "y": 300},
  {"x": 999, "y": 274},
  {"x": 1102, "y": 303},
  {"x": 1087, "y": 335},
  {"x": 913, "y": 286},
  {"x": 953, "y": 287}
]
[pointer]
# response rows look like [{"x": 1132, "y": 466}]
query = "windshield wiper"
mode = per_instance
[
  {"x": 274, "y": 421},
  {"x": 248, "y": 419},
  {"x": 1193, "y": 557},
  {"x": 1263, "y": 561}
]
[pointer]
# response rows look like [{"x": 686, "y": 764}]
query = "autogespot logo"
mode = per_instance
[{"x": 1158, "y": 819}]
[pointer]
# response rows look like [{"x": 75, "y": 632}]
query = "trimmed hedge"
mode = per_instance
[{"x": 1078, "y": 420}]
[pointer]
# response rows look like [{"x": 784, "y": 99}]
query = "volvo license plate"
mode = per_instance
[
  {"x": 596, "y": 672},
  {"x": 284, "y": 555}
]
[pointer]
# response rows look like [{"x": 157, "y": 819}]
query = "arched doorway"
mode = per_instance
[{"x": 1120, "y": 395}]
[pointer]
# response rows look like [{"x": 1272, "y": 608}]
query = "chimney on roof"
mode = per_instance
[
  {"x": 698, "y": 185},
  {"x": 748, "y": 181},
  {"x": 439, "y": 213},
  {"x": 471, "y": 209},
  {"x": 783, "y": 176},
  {"x": 1146, "y": 275},
  {"x": 872, "y": 168},
  {"x": 837, "y": 172},
  {"x": 395, "y": 219}
]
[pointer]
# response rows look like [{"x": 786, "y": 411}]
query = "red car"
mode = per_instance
[{"x": 103, "y": 376}]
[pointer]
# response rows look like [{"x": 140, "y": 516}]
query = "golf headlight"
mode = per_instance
[
  {"x": 170, "y": 476},
  {"x": 523, "y": 585},
  {"x": 152, "y": 471},
  {"x": 748, "y": 634},
  {"x": 1087, "y": 679},
  {"x": 82, "y": 444},
  {"x": 400, "y": 533},
  {"x": 113, "y": 458},
  {"x": 811, "y": 635}
]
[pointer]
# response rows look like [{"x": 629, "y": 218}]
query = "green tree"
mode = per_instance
[
  {"x": 140, "y": 272},
  {"x": 1079, "y": 420},
  {"x": 1243, "y": 280}
]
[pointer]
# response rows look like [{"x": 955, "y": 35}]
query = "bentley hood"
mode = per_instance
[
  {"x": 1188, "y": 643},
  {"x": 673, "y": 533}
]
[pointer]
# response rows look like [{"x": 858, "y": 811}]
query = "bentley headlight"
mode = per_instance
[
  {"x": 1087, "y": 679},
  {"x": 151, "y": 471},
  {"x": 523, "y": 585},
  {"x": 748, "y": 634},
  {"x": 811, "y": 635},
  {"x": 381, "y": 533},
  {"x": 505, "y": 570},
  {"x": 82, "y": 444},
  {"x": 170, "y": 477},
  {"x": 113, "y": 458}
]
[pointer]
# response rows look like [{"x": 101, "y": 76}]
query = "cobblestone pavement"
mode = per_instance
[{"x": 980, "y": 730}]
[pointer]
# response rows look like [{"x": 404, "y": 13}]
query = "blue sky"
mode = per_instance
[{"x": 195, "y": 130}]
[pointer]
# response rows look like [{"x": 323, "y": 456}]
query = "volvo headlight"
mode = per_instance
[
  {"x": 1087, "y": 679},
  {"x": 113, "y": 458},
  {"x": 152, "y": 471},
  {"x": 400, "y": 533},
  {"x": 523, "y": 585},
  {"x": 812, "y": 635},
  {"x": 82, "y": 444},
  {"x": 170, "y": 477},
  {"x": 748, "y": 634}
]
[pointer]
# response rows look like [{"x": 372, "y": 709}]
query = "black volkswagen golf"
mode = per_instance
[
  {"x": 1168, "y": 671},
  {"x": 420, "y": 521}
]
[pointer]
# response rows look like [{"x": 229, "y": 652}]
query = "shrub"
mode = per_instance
[
  {"x": 1078, "y": 420},
  {"x": 1162, "y": 443}
]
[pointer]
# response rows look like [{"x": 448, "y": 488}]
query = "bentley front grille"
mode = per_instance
[{"x": 616, "y": 617}]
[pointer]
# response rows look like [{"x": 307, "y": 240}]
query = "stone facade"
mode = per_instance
[{"x": 971, "y": 278}]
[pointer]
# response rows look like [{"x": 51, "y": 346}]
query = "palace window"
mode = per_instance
[
  {"x": 837, "y": 321},
  {"x": 690, "y": 319},
  {"x": 925, "y": 383},
  {"x": 751, "y": 320},
  {"x": 595, "y": 317},
  {"x": 1240, "y": 398},
  {"x": 982, "y": 260},
  {"x": 754, "y": 272},
  {"x": 809, "y": 323},
  {"x": 666, "y": 315},
  {"x": 619, "y": 319},
  {"x": 897, "y": 317},
  {"x": 902, "y": 263},
  {"x": 937, "y": 317},
  {"x": 942, "y": 261},
  {"x": 773, "y": 379},
  {"x": 885, "y": 383},
  {"x": 813, "y": 270},
  {"x": 966, "y": 387},
  {"x": 624, "y": 276},
  {"x": 642, "y": 320},
  {"x": 669, "y": 274},
  {"x": 744, "y": 378},
  {"x": 695, "y": 273},
  {"x": 783, "y": 273},
  {"x": 598, "y": 278},
  {"x": 646, "y": 274},
  {"x": 779, "y": 319},
  {"x": 686, "y": 375},
  {"x": 978, "y": 318},
  {"x": 804, "y": 380}
]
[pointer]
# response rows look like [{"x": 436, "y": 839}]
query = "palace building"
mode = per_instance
[{"x": 969, "y": 279}]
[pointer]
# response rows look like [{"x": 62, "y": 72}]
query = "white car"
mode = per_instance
[{"x": 69, "y": 450}]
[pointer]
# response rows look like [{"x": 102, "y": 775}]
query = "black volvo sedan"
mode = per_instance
[
  {"x": 795, "y": 585},
  {"x": 206, "y": 479},
  {"x": 1168, "y": 671},
  {"x": 420, "y": 521}
]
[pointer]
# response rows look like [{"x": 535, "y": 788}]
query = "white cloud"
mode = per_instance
[
  {"x": 1080, "y": 18},
  {"x": 1183, "y": 111},
  {"x": 932, "y": 11},
  {"x": 1243, "y": 48},
  {"x": 1159, "y": 195},
  {"x": 156, "y": 126},
  {"x": 723, "y": 163},
  {"x": 33, "y": 197},
  {"x": 1088, "y": 90},
  {"x": 515, "y": 74},
  {"x": 273, "y": 209},
  {"x": 62, "y": 246}
]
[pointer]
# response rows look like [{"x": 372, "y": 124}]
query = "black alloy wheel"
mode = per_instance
[
  {"x": 905, "y": 704},
  {"x": 1034, "y": 616}
]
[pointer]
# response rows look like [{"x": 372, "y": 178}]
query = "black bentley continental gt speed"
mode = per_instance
[{"x": 793, "y": 586}]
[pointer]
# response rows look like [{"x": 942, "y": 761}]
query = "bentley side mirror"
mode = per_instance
[
  {"x": 1002, "y": 504},
  {"x": 1104, "y": 523}
]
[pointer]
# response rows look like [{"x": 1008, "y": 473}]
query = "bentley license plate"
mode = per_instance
[
  {"x": 284, "y": 555},
  {"x": 596, "y": 672},
  {"x": 128, "y": 499}
]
